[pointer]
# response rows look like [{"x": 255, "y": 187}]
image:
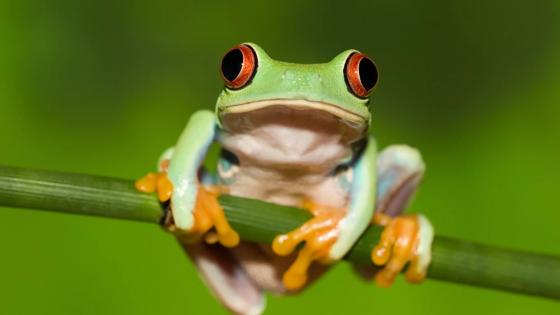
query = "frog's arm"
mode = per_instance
[
  {"x": 188, "y": 155},
  {"x": 362, "y": 201}
]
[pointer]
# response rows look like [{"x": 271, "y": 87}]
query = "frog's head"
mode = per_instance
[{"x": 256, "y": 82}]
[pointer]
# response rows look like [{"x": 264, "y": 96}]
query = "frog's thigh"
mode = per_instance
[
  {"x": 266, "y": 269},
  {"x": 224, "y": 275},
  {"x": 400, "y": 170}
]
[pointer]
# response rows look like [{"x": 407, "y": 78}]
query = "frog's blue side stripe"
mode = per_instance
[
  {"x": 362, "y": 201},
  {"x": 343, "y": 180},
  {"x": 189, "y": 154}
]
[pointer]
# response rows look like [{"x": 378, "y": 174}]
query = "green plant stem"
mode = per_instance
[{"x": 453, "y": 260}]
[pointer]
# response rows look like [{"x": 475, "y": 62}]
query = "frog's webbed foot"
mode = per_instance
[
  {"x": 406, "y": 239},
  {"x": 209, "y": 218},
  {"x": 319, "y": 235}
]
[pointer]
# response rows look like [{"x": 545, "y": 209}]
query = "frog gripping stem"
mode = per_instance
[
  {"x": 319, "y": 235},
  {"x": 156, "y": 182},
  {"x": 208, "y": 213},
  {"x": 405, "y": 239}
]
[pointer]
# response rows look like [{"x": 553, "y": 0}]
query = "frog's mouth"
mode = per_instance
[
  {"x": 319, "y": 117},
  {"x": 350, "y": 118}
]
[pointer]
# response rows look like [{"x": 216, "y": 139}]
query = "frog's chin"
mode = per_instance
[{"x": 353, "y": 120}]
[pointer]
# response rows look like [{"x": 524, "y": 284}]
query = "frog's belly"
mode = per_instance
[
  {"x": 289, "y": 188},
  {"x": 287, "y": 174},
  {"x": 287, "y": 155}
]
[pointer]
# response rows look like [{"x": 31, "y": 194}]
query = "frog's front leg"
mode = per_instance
[
  {"x": 194, "y": 204},
  {"x": 332, "y": 232}
]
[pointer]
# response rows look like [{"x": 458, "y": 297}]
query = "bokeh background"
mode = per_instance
[{"x": 102, "y": 87}]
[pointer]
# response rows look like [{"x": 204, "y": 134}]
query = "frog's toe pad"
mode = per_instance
[
  {"x": 319, "y": 234},
  {"x": 406, "y": 239},
  {"x": 209, "y": 218},
  {"x": 209, "y": 214},
  {"x": 156, "y": 182}
]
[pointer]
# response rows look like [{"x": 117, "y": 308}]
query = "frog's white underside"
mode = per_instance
[{"x": 287, "y": 153}]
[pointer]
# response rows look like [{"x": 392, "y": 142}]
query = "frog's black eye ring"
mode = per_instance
[
  {"x": 360, "y": 74},
  {"x": 239, "y": 65}
]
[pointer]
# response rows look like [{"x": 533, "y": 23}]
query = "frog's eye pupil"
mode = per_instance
[
  {"x": 361, "y": 75},
  {"x": 239, "y": 66},
  {"x": 368, "y": 73},
  {"x": 232, "y": 64}
]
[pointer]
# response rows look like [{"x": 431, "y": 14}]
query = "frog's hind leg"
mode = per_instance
[
  {"x": 400, "y": 169},
  {"x": 225, "y": 276},
  {"x": 266, "y": 268}
]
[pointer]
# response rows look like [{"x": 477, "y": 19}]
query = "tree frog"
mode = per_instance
[{"x": 293, "y": 134}]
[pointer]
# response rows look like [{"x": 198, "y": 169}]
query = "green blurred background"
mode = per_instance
[{"x": 102, "y": 87}]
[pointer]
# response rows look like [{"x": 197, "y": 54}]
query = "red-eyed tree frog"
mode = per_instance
[{"x": 293, "y": 134}]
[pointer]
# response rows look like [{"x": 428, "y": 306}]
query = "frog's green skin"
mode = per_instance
[{"x": 296, "y": 133}]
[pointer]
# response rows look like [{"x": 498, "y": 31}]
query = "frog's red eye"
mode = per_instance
[
  {"x": 361, "y": 74},
  {"x": 239, "y": 66}
]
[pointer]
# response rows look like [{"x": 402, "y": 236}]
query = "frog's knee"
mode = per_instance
[
  {"x": 402, "y": 157},
  {"x": 400, "y": 170}
]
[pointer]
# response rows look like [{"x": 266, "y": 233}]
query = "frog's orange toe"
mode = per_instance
[
  {"x": 296, "y": 276},
  {"x": 156, "y": 182},
  {"x": 208, "y": 213},
  {"x": 398, "y": 246},
  {"x": 319, "y": 234},
  {"x": 164, "y": 187},
  {"x": 147, "y": 184}
]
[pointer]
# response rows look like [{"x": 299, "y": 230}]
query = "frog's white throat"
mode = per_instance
[{"x": 291, "y": 134}]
